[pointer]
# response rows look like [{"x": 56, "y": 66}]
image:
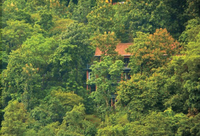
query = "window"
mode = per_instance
[
  {"x": 89, "y": 75},
  {"x": 126, "y": 61},
  {"x": 93, "y": 88},
  {"x": 127, "y": 76}
]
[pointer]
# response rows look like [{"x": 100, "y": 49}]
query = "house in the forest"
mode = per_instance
[{"x": 121, "y": 49}]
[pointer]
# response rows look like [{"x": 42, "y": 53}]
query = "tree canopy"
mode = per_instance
[{"x": 47, "y": 45}]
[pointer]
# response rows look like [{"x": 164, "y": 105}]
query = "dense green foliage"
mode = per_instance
[{"x": 46, "y": 45}]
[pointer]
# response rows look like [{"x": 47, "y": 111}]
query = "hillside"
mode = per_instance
[{"x": 48, "y": 44}]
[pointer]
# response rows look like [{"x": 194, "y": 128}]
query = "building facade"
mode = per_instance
[{"x": 121, "y": 49}]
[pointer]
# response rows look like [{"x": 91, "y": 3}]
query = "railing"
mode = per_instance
[
  {"x": 126, "y": 65},
  {"x": 88, "y": 66}
]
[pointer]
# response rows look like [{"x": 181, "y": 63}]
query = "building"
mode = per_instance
[{"x": 121, "y": 49}]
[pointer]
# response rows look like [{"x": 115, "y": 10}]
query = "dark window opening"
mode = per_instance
[
  {"x": 93, "y": 88},
  {"x": 97, "y": 58},
  {"x": 127, "y": 76},
  {"x": 126, "y": 61}
]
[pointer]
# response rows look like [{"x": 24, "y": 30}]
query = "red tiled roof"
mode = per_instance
[{"x": 120, "y": 48}]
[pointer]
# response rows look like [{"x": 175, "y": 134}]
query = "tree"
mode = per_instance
[
  {"x": 83, "y": 7},
  {"x": 16, "y": 119},
  {"x": 116, "y": 130},
  {"x": 101, "y": 17},
  {"x": 193, "y": 8},
  {"x": 177, "y": 11},
  {"x": 80, "y": 55},
  {"x": 57, "y": 7},
  {"x": 68, "y": 100},
  {"x": 106, "y": 43},
  {"x": 54, "y": 106},
  {"x": 25, "y": 76},
  {"x": 156, "y": 123},
  {"x": 50, "y": 129},
  {"x": 153, "y": 51},
  {"x": 14, "y": 34},
  {"x": 74, "y": 123},
  {"x": 107, "y": 72},
  {"x": 183, "y": 71},
  {"x": 147, "y": 16},
  {"x": 105, "y": 76},
  {"x": 113, "y": 124},
  {"x": 121, "y": 20},
  {"x": 185, "y": 68},
  {"x": 191, "y": 31},
  {"x": 60, "y": 26},
  {"x": 15, "y": 10},
  {"x": 189, "y": 126},
  {"x": 46, "y": 20}
]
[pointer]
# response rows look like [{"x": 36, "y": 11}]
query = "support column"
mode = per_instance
[
  {"x": 87, "y": 79},
  {"x": 112, "y": 102}
]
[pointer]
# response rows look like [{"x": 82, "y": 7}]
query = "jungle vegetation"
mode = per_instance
[{"x": 46, "y": 45}]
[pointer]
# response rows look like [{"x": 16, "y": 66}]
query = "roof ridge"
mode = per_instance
[{"x": 120, "y": 48}]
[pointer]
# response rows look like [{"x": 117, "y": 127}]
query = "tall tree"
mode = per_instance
[
  {"x": 26, "y": 72},
  {"x": 154, "y": 50},
  {"x": 78, "y": 36},
  {"x": 191, "y": 31},
  {"x": 82, "y": 9},
  {"x": 186, "y": 70},
  {"x": 46, "y": 20},
  {"x": 105, "y": 75},
  {"x": 193, "y": 8},
  {"x": 16, "y": 119},
  {"x": 74, "y": 123},
  {"x": 101, "y": 17},
  {"x": 15, "y": 33}
]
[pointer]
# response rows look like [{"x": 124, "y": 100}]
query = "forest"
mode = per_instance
[{"x": 47, "y": 44}]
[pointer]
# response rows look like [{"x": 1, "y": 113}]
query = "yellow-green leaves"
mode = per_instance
[
  {"x": 154, "y": 50},
  {"x": 16, "y": 119},
  {"x": 100, "y": 18},
  {"x": 105, "y": 75},
  {"x": 106, "y": 43},
  {"x": 67, "y": 99},
  {"x": 15, "y": 33}
]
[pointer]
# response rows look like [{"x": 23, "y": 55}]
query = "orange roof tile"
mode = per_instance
[{"x": 120, "y": 48}]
